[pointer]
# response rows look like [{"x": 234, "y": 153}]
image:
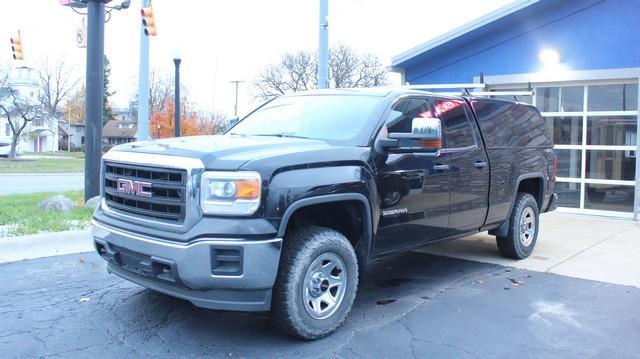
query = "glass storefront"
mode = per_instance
[{"x": 594, "y": 130}]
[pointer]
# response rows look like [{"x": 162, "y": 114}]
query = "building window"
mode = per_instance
[
  {"x": 595, "y": 143},
  {"x": 621, "y": 97}
]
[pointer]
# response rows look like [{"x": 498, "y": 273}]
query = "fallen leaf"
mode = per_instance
[
  {"x": 478, "y": 281},
  {"x": 81, "y": 260},
  {"x": 506, "y": 288},
  {"x": 84, "y": 299},
  {"x": 527, "y": 276},
  {"x": 515, "y": 281},
  {"x": 385, "y": 301}
]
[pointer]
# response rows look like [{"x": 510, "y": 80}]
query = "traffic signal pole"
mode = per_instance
[
  {"x": 142, "y": 132},
  {"x": 94, "y": 93}
]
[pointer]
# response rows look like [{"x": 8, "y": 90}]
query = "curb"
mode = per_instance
[
  {"x": 13, "y": 249},
  {"x": 41, "y": 174}
]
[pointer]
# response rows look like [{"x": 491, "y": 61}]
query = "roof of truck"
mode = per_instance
[{"x": 389, "y": 91}]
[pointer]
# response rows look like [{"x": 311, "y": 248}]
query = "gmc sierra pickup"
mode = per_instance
[{"x": 284, "y": 210}]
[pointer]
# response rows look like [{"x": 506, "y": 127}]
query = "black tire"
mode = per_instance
[
  {"x": 518, "y": 245},
  {"x": 301, "y": 248}
]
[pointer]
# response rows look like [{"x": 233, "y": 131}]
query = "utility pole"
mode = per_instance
[
  {"x": 323, "y": 46},
  {"x": 235, "y": 107},
  {"x": 94, "y": 94},
  {"x": 142, "y": 132},
  {"x": 176, "y": 92},
  {"x": 94, "y": 89}
]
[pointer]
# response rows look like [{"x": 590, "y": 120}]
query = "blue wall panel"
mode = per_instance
[{"x": 588, "y": 35}]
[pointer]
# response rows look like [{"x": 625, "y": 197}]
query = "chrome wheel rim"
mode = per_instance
[
  {"x": 527, "y": 226},
  {"x": 324, "y": 285}
]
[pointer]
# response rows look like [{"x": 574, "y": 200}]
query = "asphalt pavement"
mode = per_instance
[
  {"x": 412, "y": 305},
  {"x": 43, "y": 182}
]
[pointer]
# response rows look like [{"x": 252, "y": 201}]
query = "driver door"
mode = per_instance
[{"x": 413, "y": 187}]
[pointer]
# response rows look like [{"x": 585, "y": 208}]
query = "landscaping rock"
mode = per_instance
[
  {"x": 93, "y": 203},
  {"x": 57, "y": 203}
]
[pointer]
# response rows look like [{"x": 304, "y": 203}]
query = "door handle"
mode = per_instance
[
  {"x": 441, "y": 167},
  {"x": 479, "y": 164}
]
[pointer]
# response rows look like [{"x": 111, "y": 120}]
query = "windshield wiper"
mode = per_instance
[{"x": 283, "y": 134}]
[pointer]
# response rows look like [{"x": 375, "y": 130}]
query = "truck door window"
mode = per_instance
[
  {"x": 404, "y": 111},
  {"x": 457, "y": 131}
]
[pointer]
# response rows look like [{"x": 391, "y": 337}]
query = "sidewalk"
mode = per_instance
[
  {"x": 14, "y": 249},
  {"x": 580, "y": 246}
]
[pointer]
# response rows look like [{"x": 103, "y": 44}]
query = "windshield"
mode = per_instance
[{"x": 342, "y": 118}]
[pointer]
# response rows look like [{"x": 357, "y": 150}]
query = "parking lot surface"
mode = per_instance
[{"x": 413, "y": 305}]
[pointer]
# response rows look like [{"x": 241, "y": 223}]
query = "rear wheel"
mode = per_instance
[
  {"x": 523, "y": 228},
  {"x": 316, "y": 284}
]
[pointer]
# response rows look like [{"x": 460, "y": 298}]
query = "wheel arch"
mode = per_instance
[
  {"x": 530, "y": 182},
  {"x": 363, "y": 244}
]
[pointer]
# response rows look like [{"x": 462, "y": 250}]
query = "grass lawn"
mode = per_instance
[
  {"x": 42, "y": 165},
  {"x": 63, "y": 154},
  {"x": 20, "y": 215}
]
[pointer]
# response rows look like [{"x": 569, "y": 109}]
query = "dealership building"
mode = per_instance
[{"x": 581, "y": 59}]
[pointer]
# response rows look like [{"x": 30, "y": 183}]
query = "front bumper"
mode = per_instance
[{"x": 216, "y": 273}]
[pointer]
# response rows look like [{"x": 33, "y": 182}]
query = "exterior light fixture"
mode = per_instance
[{"x": 549, "y": 56}]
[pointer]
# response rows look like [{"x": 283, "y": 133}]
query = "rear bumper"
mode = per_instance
[{"x": 216, "y": 273}]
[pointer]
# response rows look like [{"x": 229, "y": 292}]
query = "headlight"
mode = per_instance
[{"x": 230, "y": 193}]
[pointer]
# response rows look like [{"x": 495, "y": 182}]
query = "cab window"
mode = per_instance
[
  {"x": 457, "y": 132},
  {"x": 404, "y": 111}
]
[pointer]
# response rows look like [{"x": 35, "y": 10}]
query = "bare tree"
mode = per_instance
[
  {"x": 298, "y": 72},
  {"x": 295, "y": 72},
  {"x": 19, "y": 113},
  {"x": 349, "y": 69},
  {"x": 160, "y": 90},
  {"x": 56, "y": 83}
]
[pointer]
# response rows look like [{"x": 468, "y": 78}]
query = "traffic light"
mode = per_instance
[
  {"x": 148, "y": 21},
  {"x": 16, "y": 47}
]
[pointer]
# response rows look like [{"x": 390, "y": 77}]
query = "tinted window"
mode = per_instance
[
  {"x": 572, "y": 98},
  {"x": 547, "y": 99},
  {"x": 344, "y": 118},
  {"x": 455, "y": 124},
  {"x": 623, "y": 97},
  {"x": 567, "y": 130},
  {"x": 505, "y": 124},
  {"x": 404, "y": 111},
  {"x": 612, "y": 131}
]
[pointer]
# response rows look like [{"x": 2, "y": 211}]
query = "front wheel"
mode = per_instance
[
  {"x": 316, "y": 283},
  {"x": 523, "y": 228}
]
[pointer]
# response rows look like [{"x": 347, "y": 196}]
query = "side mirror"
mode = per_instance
[
  {"x": 425, "y": 136},
  {"x": 233, "y": 121}
]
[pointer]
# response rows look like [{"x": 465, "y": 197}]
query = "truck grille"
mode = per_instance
[{"x": 168, "y": 191}]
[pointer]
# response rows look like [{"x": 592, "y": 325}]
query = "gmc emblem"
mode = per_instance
[{"x": 136, "y": 188}]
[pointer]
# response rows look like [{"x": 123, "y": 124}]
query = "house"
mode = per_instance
[
  {"x": 41, "y": 134},
  {"x": 75, "y": 132},
  {"x": 116, "y": 132},
  {"x": 582, "y": 60}
]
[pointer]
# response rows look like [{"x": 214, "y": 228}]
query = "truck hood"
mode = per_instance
[{"x": 232, "y": 152}]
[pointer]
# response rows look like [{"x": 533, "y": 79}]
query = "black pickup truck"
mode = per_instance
[{"x": 285, "y": 209}]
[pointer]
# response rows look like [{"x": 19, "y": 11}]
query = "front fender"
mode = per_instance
[{"x": 289, "y": 187}]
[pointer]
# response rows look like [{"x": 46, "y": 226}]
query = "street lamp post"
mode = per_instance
[{"x": 176, "y": 62}]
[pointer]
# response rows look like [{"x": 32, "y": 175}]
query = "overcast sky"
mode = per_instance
[{"x": 220, "y": 41}]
